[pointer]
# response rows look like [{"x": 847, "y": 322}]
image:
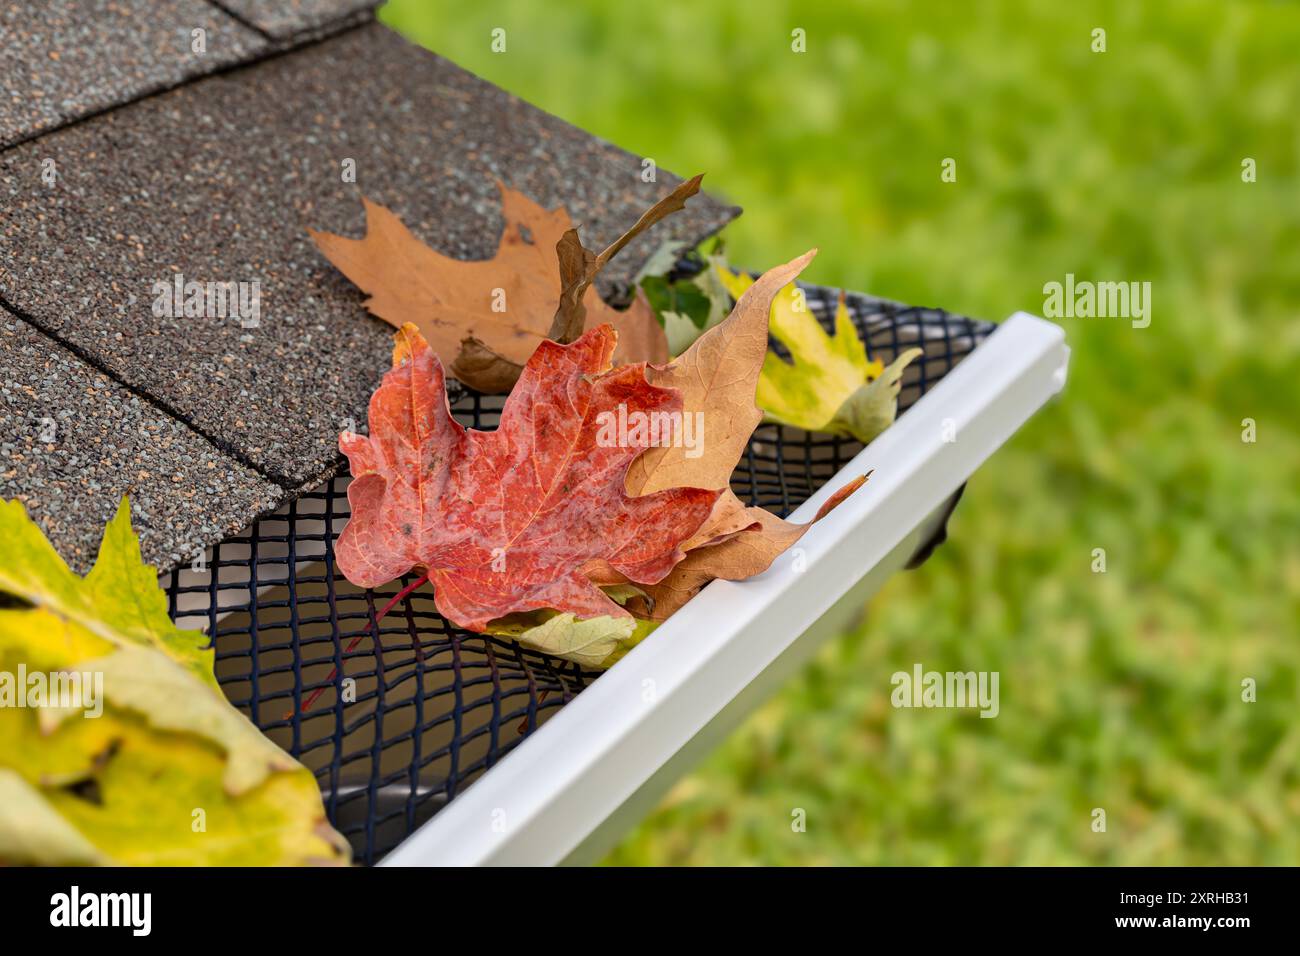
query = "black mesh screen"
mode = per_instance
[{"x": 429, "y": 707}]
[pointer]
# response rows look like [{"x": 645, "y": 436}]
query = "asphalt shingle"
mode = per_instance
[
  {"x": 64, "y": 59},
  {"x": 286, "y": 18},
  {"x": 218, "y": 181},
  {"x": 73, "y": 442}
]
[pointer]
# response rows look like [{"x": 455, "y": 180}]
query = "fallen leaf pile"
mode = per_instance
[
  {"x": 169, "y": 773},
  {"x": 486, "y": 318},
  {"x": 540, "y": 530},
  {"x": 830, "y": 385}
]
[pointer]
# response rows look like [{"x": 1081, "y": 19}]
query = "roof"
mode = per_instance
[
  {"x": 172, "y": 165},
  {"x": 73, "y": 441},
  {"x": 63, "y": 60}
]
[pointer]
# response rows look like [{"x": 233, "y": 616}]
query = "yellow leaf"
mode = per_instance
[
  {"x": 45, "y": 838},
  {"x": 119, "y": 599},
  {"x": 830, "y": 384},
  {"x": 140, "y": 759},
  {"x": 873, "y": 407}
]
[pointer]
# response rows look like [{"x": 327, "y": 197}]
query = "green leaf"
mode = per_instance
[
  {"x": 152, "y": 765},
  {"x": 690, "y": 307},
  {"x": 692, "y": 302},
  {"x": 683, "y": 297},
  {"x": 658, "y": 292}
]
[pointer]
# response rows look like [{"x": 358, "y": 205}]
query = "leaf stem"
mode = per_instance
[{"x": 405, "y": 592}]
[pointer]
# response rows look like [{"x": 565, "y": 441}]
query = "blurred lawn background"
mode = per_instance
[{"x": 1119, "y": 690}]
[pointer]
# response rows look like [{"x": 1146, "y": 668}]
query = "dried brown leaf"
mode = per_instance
[
  {"x": 450, "y": 299},
  {"x": 739, "y": 556}
]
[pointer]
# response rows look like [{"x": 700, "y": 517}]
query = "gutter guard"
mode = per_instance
[{"x": 566, "y": 793}]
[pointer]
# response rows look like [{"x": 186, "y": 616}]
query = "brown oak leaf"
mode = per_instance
[
  {"x": 506, "y": 304},
  {"x": 511, "y": 520},
  {"x": 480, "y": 365}
]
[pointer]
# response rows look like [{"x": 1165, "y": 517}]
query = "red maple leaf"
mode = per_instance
[{"x": 507, "y": 521}]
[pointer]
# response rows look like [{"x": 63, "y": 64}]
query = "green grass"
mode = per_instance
[{"x": 1119, "y": 690}]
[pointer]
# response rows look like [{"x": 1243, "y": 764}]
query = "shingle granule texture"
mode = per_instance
[
  {"x": 64, "y": 59},
  {"x": 285, "y": 18},
  {"x": 73, "y": 442},
  {"x": 218, "y": 182}
]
